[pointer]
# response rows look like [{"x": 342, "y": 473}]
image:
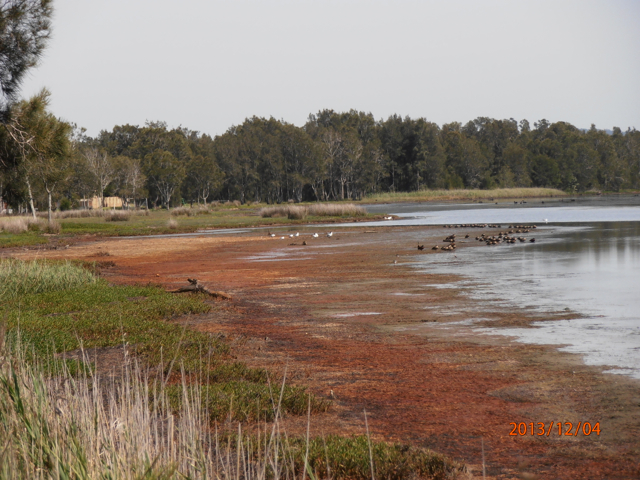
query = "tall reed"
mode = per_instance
[
  {"x": 124, "y": 426},
  {"x": 20, "y": 224},
  {"x": 317, "y": 210}
]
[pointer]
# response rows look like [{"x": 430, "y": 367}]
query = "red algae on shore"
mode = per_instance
[{"x": 332, "y": 320}]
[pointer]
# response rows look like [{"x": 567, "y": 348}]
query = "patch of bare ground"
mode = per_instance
[{"x": 329, "y": 313}]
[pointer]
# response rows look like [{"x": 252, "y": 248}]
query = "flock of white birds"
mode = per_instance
[{"x": 297, "y": 234}]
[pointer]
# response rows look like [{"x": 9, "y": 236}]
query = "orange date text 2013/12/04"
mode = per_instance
[{"x": 554, "y": 428}]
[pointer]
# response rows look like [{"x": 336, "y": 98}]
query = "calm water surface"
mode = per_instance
[{"x": 586, "y": 259}]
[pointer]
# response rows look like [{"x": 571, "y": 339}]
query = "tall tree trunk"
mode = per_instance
[
  {"x": 33, "y": 209},
  {"x": 50, "y": 214}
]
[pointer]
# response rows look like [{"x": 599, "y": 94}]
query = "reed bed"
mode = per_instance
[
  {"x": 295, "y": 212},
  {"x": 17, "y": 224},
  {"x": 337, "y": 210},
  {"x": 90, "y": 213},
  {"x": 446, "y": 195},
  {"x": 86, "y": 426}
]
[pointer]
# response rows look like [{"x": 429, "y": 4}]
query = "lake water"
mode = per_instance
[{"x": 586, "y": 259}]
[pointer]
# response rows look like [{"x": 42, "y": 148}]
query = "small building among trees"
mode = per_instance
[{"x": 107, "y": 202}]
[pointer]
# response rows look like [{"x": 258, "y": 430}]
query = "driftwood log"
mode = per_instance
[{"x": 195, "y": 286}]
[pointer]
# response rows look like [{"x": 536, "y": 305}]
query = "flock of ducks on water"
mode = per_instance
[{"x": 505, "y": 237}]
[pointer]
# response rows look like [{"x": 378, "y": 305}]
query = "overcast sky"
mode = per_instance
[{"x": 209, "y": 64}]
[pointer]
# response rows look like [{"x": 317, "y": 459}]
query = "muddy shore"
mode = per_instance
[{"x": 349, "y": 315}]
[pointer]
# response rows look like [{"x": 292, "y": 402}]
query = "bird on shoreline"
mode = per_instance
[
  {"x": 329, "y": 234},
  {"x": 315, "y": 235}
]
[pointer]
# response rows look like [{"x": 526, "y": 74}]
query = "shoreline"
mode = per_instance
[{"x": 436, "y": 389}]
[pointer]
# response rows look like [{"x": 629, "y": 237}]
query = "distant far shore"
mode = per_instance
[{"x": 463, "y": 194}]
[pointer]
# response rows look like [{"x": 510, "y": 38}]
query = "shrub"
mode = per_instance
[
  {"x": 65, "y": 204},
  {"x": 172, "y": 223}
]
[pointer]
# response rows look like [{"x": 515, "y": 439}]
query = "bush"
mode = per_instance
[
  {"x": 65, "y": 204},
  {"x": 172, "y": 224}
]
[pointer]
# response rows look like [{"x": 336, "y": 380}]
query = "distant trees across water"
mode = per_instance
[{"x": 334, "y": 156}]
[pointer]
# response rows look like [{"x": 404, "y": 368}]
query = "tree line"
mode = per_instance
[{"x": 334, "y": 156}]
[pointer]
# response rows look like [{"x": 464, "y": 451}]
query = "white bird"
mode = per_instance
[
  {"x": 297, "y": 234},
  {"x": 388, "y": 218},
  {"x": 281, "y": 238},
  {"x": 272, "y": 234},
  {"x": 329, "y": 234},
  {"x": 291, "y": 235},
  {"x": 546, "y": 221},
  {"x": 315, "y": 235}
]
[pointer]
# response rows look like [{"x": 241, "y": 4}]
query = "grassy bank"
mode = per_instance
[
  {"x": 24, "y": 231},
  {"x": 172, "y": 405},
  {"x": 452, "y": 195}
]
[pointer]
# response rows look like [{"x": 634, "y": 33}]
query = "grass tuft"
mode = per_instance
[
  {"x": 117, "y": 216},
  {"x": 19, "y": 278}
]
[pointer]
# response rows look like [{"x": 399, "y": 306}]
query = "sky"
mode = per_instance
[{"x": 209, "y": 64}]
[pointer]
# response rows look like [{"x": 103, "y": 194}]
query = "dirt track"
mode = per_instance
[{"x": 329, "y": 312}]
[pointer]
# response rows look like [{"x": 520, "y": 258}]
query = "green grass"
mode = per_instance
[
  {"x": 342, "y": 457},
  {"x": 451, "y": 195},
  {"x": 26, "y": 239},
  {"x": 62, "y": 307},
  {"x": 157, "y": 222}
]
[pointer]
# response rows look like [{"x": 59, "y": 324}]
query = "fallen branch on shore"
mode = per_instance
[{"x": 195, "y": 286}]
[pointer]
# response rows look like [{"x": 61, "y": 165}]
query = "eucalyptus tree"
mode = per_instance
[
  {"x": 22, "y": 128},
  {"x": 204, "y": 177},
  {"x": 101, "y": 169},
  {"x": 165, "y": 172},
  {"x": 51, "y": 155},
  {"x": 300, "y": 155},
  {"x": 130, "y": 179}
]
